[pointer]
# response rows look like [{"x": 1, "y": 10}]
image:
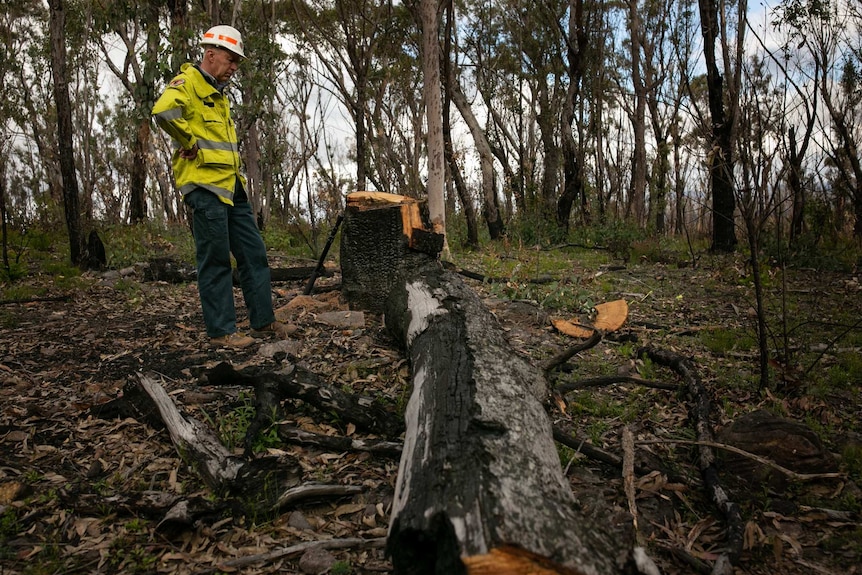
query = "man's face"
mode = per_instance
[{"x": 220, "y": 63}]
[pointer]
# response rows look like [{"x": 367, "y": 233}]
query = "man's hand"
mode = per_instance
[{"x": 189, "y": 154}]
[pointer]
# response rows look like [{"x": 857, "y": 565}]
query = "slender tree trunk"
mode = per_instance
[
  {"x": 178, "y": 33},
  {"x": 678, "y": 182},
  {"x": 847, "y": 144},
  {"x": 144, "y": 96},
  {"x": 547, "y": 121},
  {"x": 4, "y": 232},
  {"x": 361, "y": 132},
  {"x": 794, "y": 182},
  {"x": 460, "y": 187},
  {"x": 138, "y": 174},
  {"x": 637, "y": 201},
  {"x": 64, "y": 130},
  {"x": 429, "y": 16},
  {"x": 721, "y": 146},
  {"x": 491, "y": 207},
  {"x": 253, "y": 173},
  {"x": 754, "y": 247},
  {"x": 574, "y": 188},
  {"x": 472, "y": 240}
]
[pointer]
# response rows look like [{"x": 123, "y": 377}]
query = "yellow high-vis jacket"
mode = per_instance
[{"x": 193, "y": 112}]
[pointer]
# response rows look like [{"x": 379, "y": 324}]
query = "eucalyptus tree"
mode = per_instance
[
  {"x": 600, "y": 124},
  {"x": 828, "y": 32},
  {"x": 455, "y": 94},
  {"x": 137, "y": 26},
  {"x": 727, "y": 23},
  {"x": 799, "y": 86},
  {"x": 17, "y": 30},
  {"x": 487, "y": 65},
  {"x": 258, "y": 116},
  {"x": 515, "y": 49},
  {"x": 346, "y": 35},
  {"x": 583, "y": 42},
  {"x": 12, "y": 38},
  {"x": 428, "y": 12},
  {"x": 486, "y": 157},
  {"x": 542, "y": 47},
  {"x": 57, "y": 26},
  {"x": 637, "y": 113},
  {"x": 665, "y": 28},
  {"x": 29, "y": 102},
  {"x": 683, "y": 44}
]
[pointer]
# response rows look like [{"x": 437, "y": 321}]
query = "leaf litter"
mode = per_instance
[{"x": 82, "y": 494}]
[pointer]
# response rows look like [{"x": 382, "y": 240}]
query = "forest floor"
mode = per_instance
[{"x": 78, "y": 492}]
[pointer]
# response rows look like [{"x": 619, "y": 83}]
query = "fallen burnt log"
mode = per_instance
[
  {"x": 172, "y": 271},
  {"x": 480, "y": 488}
]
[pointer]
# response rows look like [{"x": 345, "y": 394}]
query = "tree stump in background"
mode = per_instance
[{"x": 383, "y": 237}]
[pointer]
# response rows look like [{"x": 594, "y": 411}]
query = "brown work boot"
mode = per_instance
[
  {"x": 233, "y": 340},
  {"x": 276, "y": 328}
]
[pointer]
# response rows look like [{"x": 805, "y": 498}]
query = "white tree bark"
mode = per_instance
[{"x": 429, "y": 16}]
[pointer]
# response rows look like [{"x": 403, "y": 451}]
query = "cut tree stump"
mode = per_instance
[
  {"x": 383, "y": 237},
  {"x": 480, "y": 488}
]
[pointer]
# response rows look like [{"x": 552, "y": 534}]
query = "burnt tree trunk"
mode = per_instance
[
  {"x": 383, "y": 237},
  {"x": 480, "y": 488}
]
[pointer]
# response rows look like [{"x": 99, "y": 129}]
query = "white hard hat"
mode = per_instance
[{"x": 226, "y": 37}]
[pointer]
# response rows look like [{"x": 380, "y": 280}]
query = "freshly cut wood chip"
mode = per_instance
[
  {"x": 566, "y": 327},
  {"x": 611, "y": 315}
]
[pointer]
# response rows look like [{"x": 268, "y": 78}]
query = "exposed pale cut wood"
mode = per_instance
[
  {"x": 411, "y": 218},
  {"x": 364, "y": 198},
  {"x": 611, "y": 315},
  {"x": 508, "y": 560},
  {"x": 571, "y": 329}
]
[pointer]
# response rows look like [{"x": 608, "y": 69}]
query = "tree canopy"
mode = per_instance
[{"x": 566, "y": 113}]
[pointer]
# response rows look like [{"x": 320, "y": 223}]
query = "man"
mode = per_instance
[{"x": 195, "y": 112}]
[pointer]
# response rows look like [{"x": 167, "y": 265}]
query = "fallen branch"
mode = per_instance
[
  {"x": 290, "y": 434},
  {"x": 314, "y": 491},
  {"x": 628, "y": 445},
  {"x": 300, "y": 383},
  {"x": 699, "y": 414},
  {"x": 196, "y": 444},
  {"x": 762, "y": 460},
  {"x": 581, "y": 445},
  {"x": 612, "y": 379},
  {"x": 300, "y": 548},
  {"x": 566, "y": 355},
  {"x": 35, "y": 299}
]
